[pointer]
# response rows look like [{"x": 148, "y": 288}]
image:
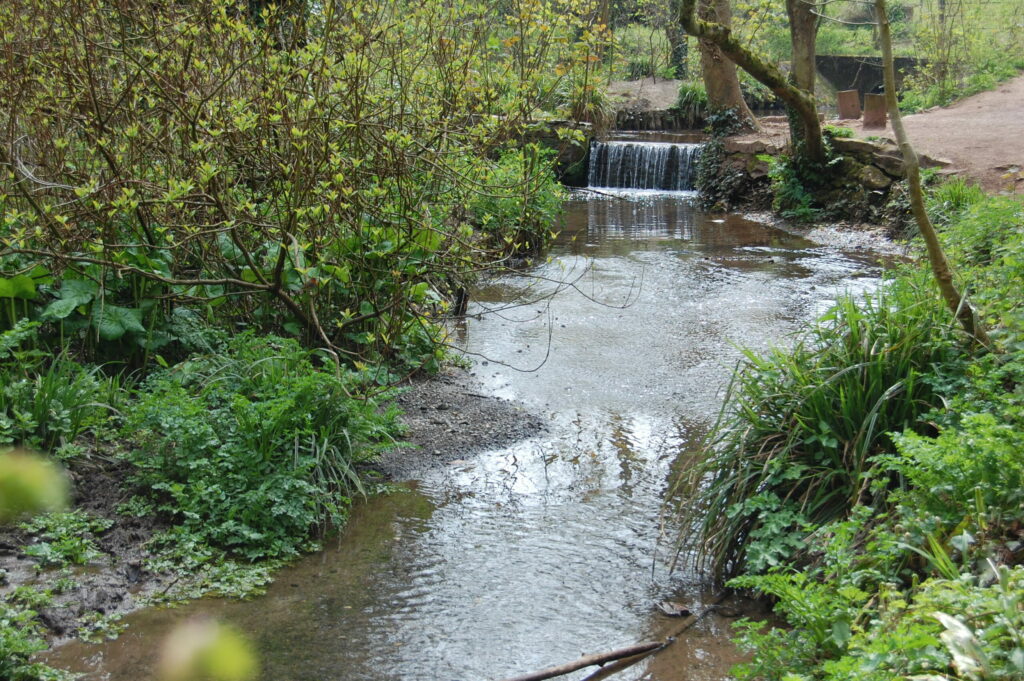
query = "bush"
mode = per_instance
[
  {"x": 251, "y": 449},
  {"x": 520, "y": 213},
  {"x": 44, "y": 401},
  {"x": 311, "y": 187},
  {"x": 692, "y": 101}
]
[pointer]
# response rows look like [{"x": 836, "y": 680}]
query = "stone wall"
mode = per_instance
[{"x": 867, "y": 172}]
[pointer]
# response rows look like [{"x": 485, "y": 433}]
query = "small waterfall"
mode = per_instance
[{"x": 643, "y": 165}]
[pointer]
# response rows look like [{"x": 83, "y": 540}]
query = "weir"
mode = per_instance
[{"x": 643, "y": 165}]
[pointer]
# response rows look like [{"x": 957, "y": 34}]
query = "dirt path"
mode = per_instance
[{"x": 982, "y": 135}]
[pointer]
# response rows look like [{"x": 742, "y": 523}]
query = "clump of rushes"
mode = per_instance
[{"x": 794, "y": 444}]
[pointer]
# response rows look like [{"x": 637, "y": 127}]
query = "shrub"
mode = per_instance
[
  {"x": 522, "y": 209},
  {"x": 692, "y": 101},
  {"x": 45, "y": 401},
  {"x": 251, "y": 449}
]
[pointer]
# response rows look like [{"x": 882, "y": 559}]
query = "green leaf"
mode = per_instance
[
  {"x": 60, "y": 309},
  {"x": 79, "y": 290},
  {"x": 841, "y": 633},
  {"x": 113, "y": 322},
  {"x": 19, "y": 286}
]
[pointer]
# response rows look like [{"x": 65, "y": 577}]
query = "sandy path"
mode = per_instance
[{"x": 982, "y": 135}]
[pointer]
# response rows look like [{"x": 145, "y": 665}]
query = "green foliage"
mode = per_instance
[
  {"x": 525, "y": 204},
  {"x": 839, "y": 131},
  {"x": 791, "y": 196},
  {"x": 821, "y": 615},
  {"x": 250, "y": 449},
  {"x": 949, "y": 628},
  {"x": 20, "y": 637},
  {"x": 65, "y": 538},
  {"x": 692, "y": 101},
  {"x": 314, "y": 188},
  {"x": 965, "y": 48},
  {"x": 48, "y": 401},
  {"x": 802, "y": 424},
  {"x": 641, "y": 52},
  {"x": 886, "y": 519}
]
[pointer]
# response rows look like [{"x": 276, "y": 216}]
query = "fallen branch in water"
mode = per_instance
[
  {"x": 588, "y": 660},
  {"x": 623, "y": 657},
  {"x": 627, "y": 662}
]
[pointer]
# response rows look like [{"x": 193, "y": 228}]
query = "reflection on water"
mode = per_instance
[{"x": 518, "y": 559}]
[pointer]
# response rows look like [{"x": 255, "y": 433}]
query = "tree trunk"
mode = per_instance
[
  {"x": 803, "y": 32},
  {"x": 719, "y": 72},
  {"x": 677, "y": 46},
  {"x": 800, "y": 101},
  {"x": 936, "y": 257}
]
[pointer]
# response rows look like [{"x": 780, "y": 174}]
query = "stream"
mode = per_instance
[{"x": 513, "y": 560}]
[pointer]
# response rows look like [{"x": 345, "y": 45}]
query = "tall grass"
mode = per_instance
[{"x": 794, "y": 444}]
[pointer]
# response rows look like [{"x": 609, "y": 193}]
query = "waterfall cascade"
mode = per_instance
[{"x": 643, "y": 165}]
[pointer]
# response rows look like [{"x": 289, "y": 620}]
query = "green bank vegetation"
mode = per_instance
[
  {"x": 228, "y": 227},
  {"x": 869, "y": 478}
]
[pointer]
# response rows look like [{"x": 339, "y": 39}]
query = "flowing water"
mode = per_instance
[
  {"x": 517, "y": 559},
  {"x": 643, "y": 164}
]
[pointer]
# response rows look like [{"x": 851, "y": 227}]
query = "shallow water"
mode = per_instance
[{"x": 514, "y": 560}]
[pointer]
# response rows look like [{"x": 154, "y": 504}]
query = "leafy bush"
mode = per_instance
[
  {"x": 692, "y": 101},
  {"x": 792, "y": 197},
  {"x": 312, "y": 186},
  {"x": 959, "y": 628},
  {"x": 640, "y": 52},
  {"x": 250, "y": 449},
  {"x": 20, "y": 637},
  {"x": 520, "y": 213},
  {"x": 837, "y": 131}
]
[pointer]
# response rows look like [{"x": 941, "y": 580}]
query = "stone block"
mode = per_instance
[
  {"x": 873, "y": 178},
  {"x": 854, "y": 146},
  {"x": 849, "y": 104},
  {"x": 891, "y": 163},
  {"x": 735, "y": 146},
  {"x": 874, "y": 111}
]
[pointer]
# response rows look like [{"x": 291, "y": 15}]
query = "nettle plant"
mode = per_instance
[{"x": 301, "y": 168}]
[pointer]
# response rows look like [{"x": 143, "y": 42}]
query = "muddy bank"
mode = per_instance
[{"x": 449, "y": 417}]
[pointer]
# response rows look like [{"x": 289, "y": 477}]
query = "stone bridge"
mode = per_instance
[{"x": 863, "y": 74}]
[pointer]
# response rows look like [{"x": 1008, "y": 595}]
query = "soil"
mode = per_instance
[
  {"x": 642, "y": 95},
  {"x": 449, "y": 417},
  {"x": 982, "y": 136},
  {"x": 109, "y": 585},
  {"x": 844, "y": 236}
]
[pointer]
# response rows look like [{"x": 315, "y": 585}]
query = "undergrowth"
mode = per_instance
[
  {"x": 868, "y": 480},
  {"x": 250, "y": 449}
]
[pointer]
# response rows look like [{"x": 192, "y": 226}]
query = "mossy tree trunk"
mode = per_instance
[
  {"x": 799, "y": 100},
  {"x": 719, "y": 72},
  {"x": 803, "y": 33},
  {"x": 936, "y": 257}
]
